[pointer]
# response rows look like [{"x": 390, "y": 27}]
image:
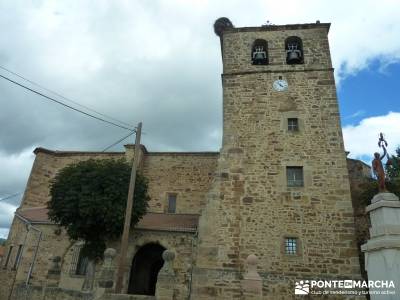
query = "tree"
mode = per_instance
[
  {"x": 369, "y": 189},
  {"x": 393, "y": 170},
  {"x": 88, "y": 199}
]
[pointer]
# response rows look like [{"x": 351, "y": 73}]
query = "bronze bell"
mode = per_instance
[
  {"x": 259, "y": 57},
  {"x": 293, "y": 56}
]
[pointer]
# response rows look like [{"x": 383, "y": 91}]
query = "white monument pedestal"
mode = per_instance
[{"x": 382, "y": 251}]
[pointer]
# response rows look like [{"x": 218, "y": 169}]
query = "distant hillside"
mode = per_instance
[{"x": 2, "y": 241}]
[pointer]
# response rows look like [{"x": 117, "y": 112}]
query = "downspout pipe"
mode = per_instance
[
  {"x": 195, "y": 237},
  {"x": 35, "y": 255}
]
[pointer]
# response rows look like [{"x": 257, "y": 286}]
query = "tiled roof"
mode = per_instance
[
  {"x": 150, "y": 221},
  {"x": 34, "y": 215},
  {"x": 169, "y": 222}
]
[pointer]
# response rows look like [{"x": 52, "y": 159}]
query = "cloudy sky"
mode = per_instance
[{"x": 159, "y": 62}]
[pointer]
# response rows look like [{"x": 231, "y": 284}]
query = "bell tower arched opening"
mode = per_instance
[
  {"x": 294, "y": 50},
  {"x": 259, "y": 52}
]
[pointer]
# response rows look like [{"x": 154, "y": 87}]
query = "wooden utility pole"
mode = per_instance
[{"x": 128, "y": 214}]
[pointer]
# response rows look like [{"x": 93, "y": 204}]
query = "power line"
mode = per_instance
[
  {"x": 65, "y": 98},
  {"x": 119, "y": 141},
  {"x": 63, "y": 104},
  {"x": 9, "y": 197}
]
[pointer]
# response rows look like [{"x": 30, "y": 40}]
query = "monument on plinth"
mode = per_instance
[{"x": 382, "y": 250}]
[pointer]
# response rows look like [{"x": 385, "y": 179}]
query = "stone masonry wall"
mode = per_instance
[
  {"x": 359, "y": 173},
  {"x": 49, "y": 244},
  {"x": 237, "y": 45},
  {"x": 255, "y": 210},
  {"x": 56, "y": 243},
  {"x": 242, "y": 194},
  {"x": 186, "y": 175},
  {"x": 179, "y": 242},
  {"x": 46, "y": 166},
  {"x": 16, "y": 237}
]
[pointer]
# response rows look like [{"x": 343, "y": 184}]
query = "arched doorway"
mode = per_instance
[{"x": 145, "y": 267}]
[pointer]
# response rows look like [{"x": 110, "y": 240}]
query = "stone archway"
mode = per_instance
[{"x": 145, "y": 267}]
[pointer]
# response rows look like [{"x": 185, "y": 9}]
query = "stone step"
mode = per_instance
[{"x": 126, "y": 297}]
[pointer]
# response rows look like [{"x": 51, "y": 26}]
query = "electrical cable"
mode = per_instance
[
  {"x": 9, "y": 197},
  {"x": 63, "y": 104},
  {"x": 63, "y": 97},
  {"x": 119, "y": 141}
]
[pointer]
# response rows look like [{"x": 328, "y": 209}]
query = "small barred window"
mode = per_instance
[
  {"x": 291, "y": 246},
  {"x": 293, "y": 124},
  {"x": 294, "y": 176}
]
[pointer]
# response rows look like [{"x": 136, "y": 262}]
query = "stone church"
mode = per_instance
[{"x": 272, "y": 207}]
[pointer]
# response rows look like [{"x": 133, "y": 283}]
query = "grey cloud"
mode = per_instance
[{"x": 133, "y": 70}]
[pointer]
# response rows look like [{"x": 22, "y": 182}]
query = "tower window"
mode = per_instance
[
  {"x": 171, "y": 203},
  {"x": 293, "y": 124},
  {"x": 291, "y": 246},
  {"x": 294, "y": 50},
  {"x": 259, "y": 52},
  {"x": 294, "y": 176}
]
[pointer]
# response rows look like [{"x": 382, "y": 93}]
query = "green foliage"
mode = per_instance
[
  {"x": 393, "y": 171},
  {"x": 88, "y": 198},
  {"x": 2, "y": 242},
  {"x": 370, "y": 188}
]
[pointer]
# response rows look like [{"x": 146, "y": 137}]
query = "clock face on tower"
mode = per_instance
[{"x": 280, "y": 85}]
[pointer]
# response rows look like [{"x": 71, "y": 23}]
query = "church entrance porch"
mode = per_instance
[{"x": 145, "y": 267}]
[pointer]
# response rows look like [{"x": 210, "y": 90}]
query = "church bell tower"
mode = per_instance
[{"x": 281, "y": 190}]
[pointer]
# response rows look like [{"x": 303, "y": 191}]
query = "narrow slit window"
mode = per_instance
[
  {"x": 291, "y": 246},
  {"x": 294, "y": 176},
  {"x": 8, "y": 257},
  {"x": 18, "y": 257},
  {"x": 171, "y": 203},
  {"x": 293, "y": 124}
]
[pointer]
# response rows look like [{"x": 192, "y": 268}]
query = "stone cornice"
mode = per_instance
[
  {"x": 279, "y": 71},
  {"x": 278, "y": 27},
  {"x": 71, "y": 153},
  {"x": 383, "y": 242},
  {"x": 383, "y": 203},
  {"x": 147, "y": 153}
]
